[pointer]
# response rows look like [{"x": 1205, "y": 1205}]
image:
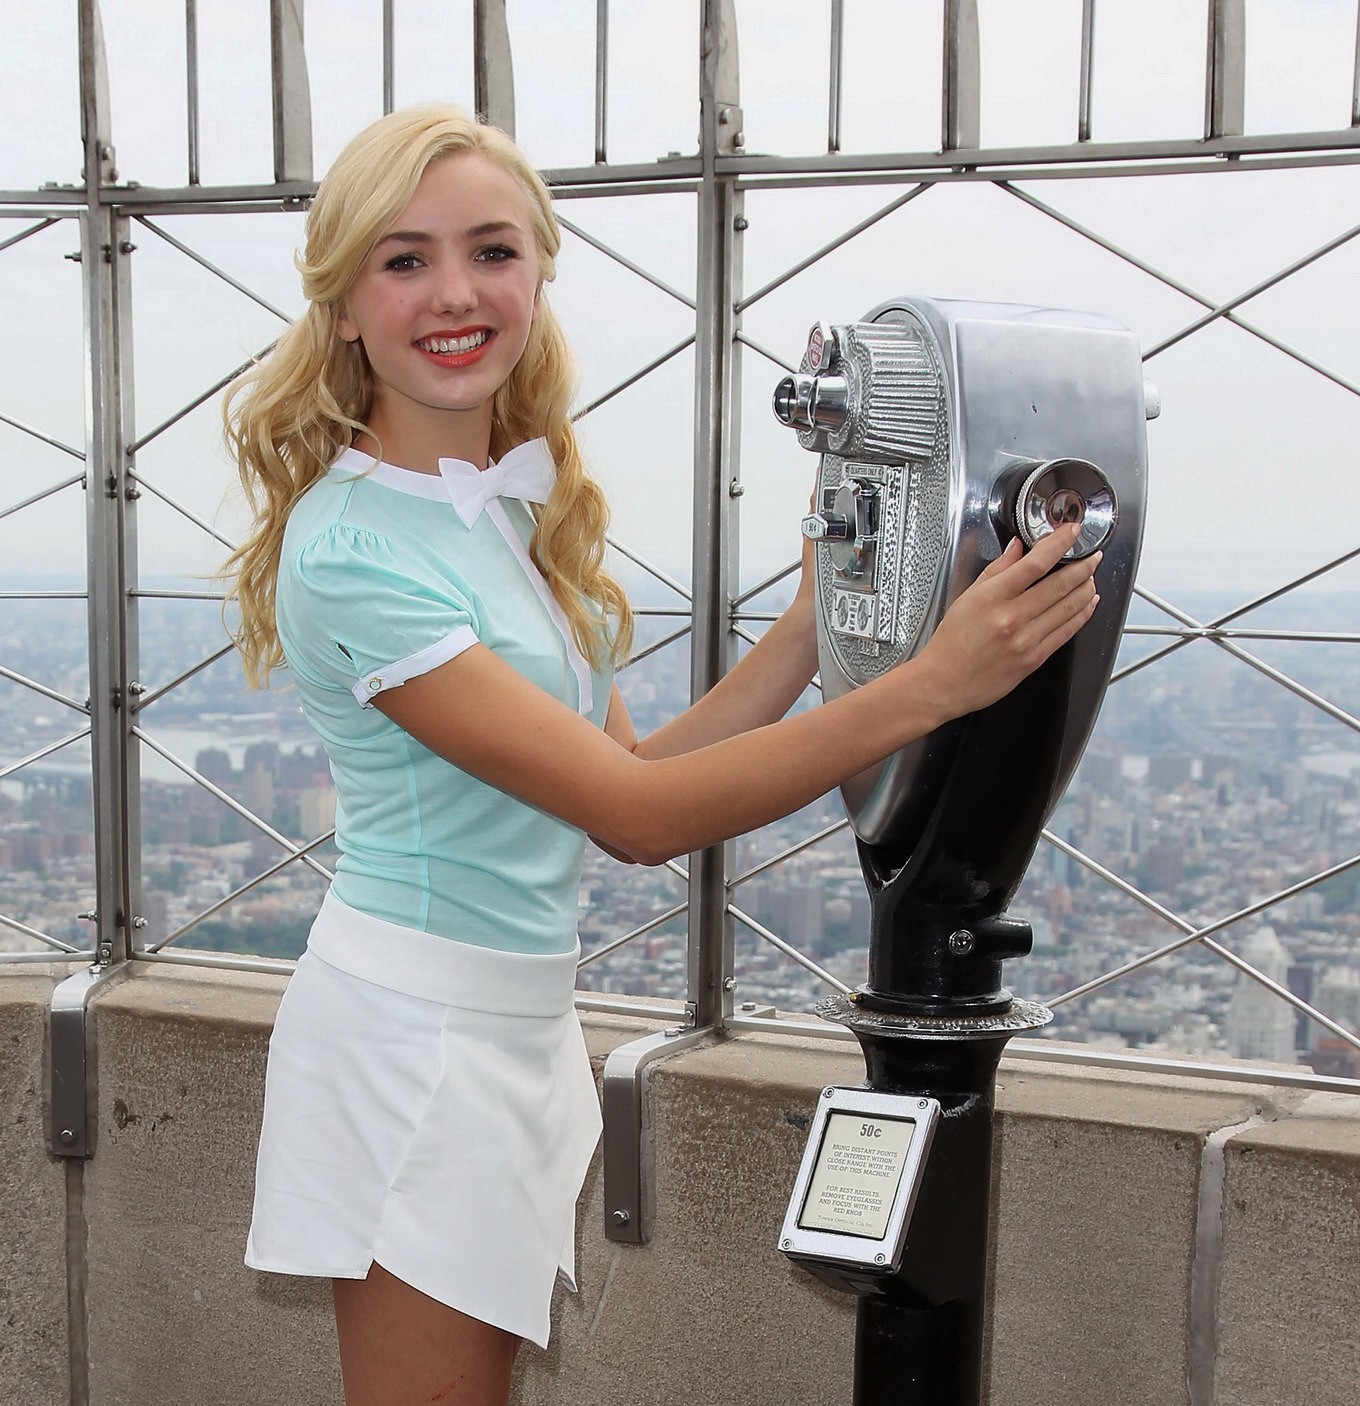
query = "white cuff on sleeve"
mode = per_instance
[{"x": 396, "y": 674}]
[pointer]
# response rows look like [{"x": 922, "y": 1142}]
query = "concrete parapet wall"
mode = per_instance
[
  {"x": 33, "y": 1344},
  {"x": 1159, "y": 1240}
]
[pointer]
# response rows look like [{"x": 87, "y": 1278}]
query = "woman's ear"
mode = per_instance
[{"x": 346, "y": 328}]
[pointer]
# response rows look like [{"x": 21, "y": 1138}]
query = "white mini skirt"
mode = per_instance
[{"x": 429, "y": 1105}]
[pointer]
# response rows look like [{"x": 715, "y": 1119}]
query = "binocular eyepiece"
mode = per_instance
[{"x": 812, "y": 402}]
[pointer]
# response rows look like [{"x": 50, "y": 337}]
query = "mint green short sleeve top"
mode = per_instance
[{"x": 386, "y": 574}]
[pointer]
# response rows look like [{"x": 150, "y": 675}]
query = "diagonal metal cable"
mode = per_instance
[
  {"x": 212, "y": 268},
  {"x": 652, "y": 923},
  {"x": 243, "y": 888},
  {"x": 1171, "y": 282},
  {"x": 653, "y": 365},
  {"x": 1223, "y": 309},
  {"x": 611, "y": 253},
  {"x": 766, "y": 353},
  {"x": 232, "y": 803},
  {"x": 44, "y": 690},
  {"x": 46, "y": 439},
  {"x": 43, "y": 493},
  {"x": 615, "y": 943},
  {"x": 777, "y": 942},
  {"x": 53, "y": 942},
  {"x": 825, "y": 834},
  {"x": 652, "y": 570},
  {"x": 147, "y": 699},
  {"x": 1204, "y": 935},
  {"x": 193, "y": 405},
  {"x": 658, "y": 646},
  {"x": 1238, "y": 611},
  {"x": 179, "y": 507},
  {"x": 761, "y": 587},
  {"x": 1275, "y": 675},
  {"x": 28, "y": 233},
  {"x": 830, "y": 248},
  {"x": 44, "y": 752}
]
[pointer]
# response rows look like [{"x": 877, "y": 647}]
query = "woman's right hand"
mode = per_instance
[{"x": 1016, "y": 614}]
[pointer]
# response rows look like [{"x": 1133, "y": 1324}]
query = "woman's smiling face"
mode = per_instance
[{"x": 444, "y": 301}]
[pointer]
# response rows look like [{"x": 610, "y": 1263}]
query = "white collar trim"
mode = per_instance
[{"x": 418, "y": 485}]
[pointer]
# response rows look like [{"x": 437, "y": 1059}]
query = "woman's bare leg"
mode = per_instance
[{"x": 399, "y": 1347}]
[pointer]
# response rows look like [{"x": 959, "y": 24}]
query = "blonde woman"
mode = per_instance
[{"x": 427, "y": 561}]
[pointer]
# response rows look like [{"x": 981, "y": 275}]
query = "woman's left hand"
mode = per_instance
[{"x": 804, "y": 604}]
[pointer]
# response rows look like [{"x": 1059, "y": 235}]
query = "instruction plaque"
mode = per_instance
[{"x": 859, "y": 1176}]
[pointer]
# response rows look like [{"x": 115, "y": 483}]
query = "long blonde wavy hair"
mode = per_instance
[{"x": 289, "y": 416}]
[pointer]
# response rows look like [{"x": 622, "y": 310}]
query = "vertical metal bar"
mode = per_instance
[
  {"x": 833, "y": 115},
  {"x": 1225, "y": 85},
  {"x": 961, "y": 122},
  {"x": 291, "y": 92},
  {"x": 389, "y": 27},
  {"x": 720, "y": 133},
  {"x": 110, "y": 520},
  {"x": 493, "y": 67},
  {"x": 112, "y": 555},
  {"x": 191, "y": 84},
  {"x": 601, "y": 81},
  {"x": 1088, "y": 59}
]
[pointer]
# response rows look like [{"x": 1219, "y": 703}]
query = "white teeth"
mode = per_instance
[{"x": 448, "y": 345}]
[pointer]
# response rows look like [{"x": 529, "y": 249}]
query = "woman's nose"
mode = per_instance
[{"x": 455, "y": 289}]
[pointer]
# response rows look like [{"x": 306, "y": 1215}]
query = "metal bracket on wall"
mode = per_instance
[
  {"x": 71, "y": 1061},
  {"x": 629, "y": 1166}
]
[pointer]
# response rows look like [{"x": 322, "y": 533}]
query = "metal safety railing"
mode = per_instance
[{"x": 715, "y": 613}]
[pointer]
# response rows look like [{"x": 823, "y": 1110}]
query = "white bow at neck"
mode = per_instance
[{"x": 526, "y": 472}]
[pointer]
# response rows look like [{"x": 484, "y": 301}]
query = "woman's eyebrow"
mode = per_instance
[
  {"x": 494, "y": 227},
  {"x": 416, "y": 236},
  {"x": 404, "y": 236}
]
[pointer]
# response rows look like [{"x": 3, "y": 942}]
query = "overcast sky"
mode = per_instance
[{"x": 1254, "y": 466}]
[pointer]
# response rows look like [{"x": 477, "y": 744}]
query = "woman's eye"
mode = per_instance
[
  {"x": 401, "y": 263},
  {"x": 496, "y": 253}
]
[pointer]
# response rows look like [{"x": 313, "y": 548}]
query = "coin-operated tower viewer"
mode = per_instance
[{"x": 945, "y": 429}]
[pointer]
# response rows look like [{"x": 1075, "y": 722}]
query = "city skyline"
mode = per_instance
[{"x": 1206, "y": 787}]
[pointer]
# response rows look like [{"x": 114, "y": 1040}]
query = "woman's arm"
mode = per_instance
[
  {"x": 759, "y": 689},
  {"x": 480, "y": 714}
]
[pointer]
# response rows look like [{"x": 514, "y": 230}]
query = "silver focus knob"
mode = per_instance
[{"x": 1062, "y": 491}]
